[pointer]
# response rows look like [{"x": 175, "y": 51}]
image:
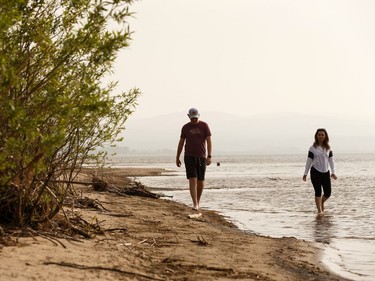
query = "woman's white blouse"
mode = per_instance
[{"x": 321, "y": 159}]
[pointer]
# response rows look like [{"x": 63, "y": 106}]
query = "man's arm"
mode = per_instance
[
  {"x": 180, "y": 146},
  {"x": 209, "y": 150}
]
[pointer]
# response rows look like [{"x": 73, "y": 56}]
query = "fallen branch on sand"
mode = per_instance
[
  {"x": 135, "y": 188},
  {"x": 116, "y": 229},
  {"x": 80, "y": 266},
  {"x": 201, "y": 241}
]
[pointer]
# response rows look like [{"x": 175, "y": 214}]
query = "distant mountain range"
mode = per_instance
[{"x": 276, "y": 133}]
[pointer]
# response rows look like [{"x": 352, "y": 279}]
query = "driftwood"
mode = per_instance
[
  {"x": 87, "y": 267},
  {"x": 201, "y": 241},
  {"x": 116, "y": 229},
  {"x": 135, "y": 188},
  {"x": 194, "y": 216},
  {"x": 88, "y": 203},
  {"x": 99, "y": 184},
  {"x": 139, "y": 191}
]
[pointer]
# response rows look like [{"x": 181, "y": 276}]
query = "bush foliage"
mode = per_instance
[{"x": 55, "y": 109}]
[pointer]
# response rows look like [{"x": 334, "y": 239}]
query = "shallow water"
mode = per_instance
[{"x": 265, "y": 194}]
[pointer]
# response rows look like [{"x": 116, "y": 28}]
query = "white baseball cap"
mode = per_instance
[{"x": 193, "y": 113}]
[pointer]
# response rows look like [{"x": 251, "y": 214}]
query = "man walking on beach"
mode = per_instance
[{"x": 197, "y": 135}]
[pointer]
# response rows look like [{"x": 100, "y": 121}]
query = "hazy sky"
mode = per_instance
[{"x": 248, "y": 57}]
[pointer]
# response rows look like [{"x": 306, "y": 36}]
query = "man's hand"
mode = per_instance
[{"x": 208, "y": 161}]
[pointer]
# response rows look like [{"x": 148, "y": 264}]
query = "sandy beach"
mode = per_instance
[{"x": 155, "y": 239}]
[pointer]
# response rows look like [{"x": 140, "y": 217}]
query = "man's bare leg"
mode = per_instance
[
  {"x": 200, "y": 186},
  {"x": 193, "y": 192}
]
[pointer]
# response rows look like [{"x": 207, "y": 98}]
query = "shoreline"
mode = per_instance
[
  {"x": 154, "y": 239},
  {"x": 328, "y": 255}
]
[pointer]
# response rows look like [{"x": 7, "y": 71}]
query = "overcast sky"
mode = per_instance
[{"x": 249, "y": 57}]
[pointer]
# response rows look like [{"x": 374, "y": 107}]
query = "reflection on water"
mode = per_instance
[{"x": 323, "y": 229}]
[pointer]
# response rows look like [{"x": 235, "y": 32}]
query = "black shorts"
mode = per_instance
[
  {"x": 195, "y": 167},
  {"x": 320, "y": 180}
]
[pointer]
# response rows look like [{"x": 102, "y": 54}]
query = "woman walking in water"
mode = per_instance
[{"x": 319, "y": 160}]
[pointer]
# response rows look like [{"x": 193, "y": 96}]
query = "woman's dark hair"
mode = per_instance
[{"x": 325, "y": 143}]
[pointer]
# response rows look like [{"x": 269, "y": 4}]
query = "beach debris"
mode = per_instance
[
  {"x": 194, "y": 216},
  {"x": 87, "y": 203},
  {"x": 201, "y": 241},
  {"x": 139, "y": 191},
  {"x": 143, "y": 241},
  {"x": 134, "y": 188},
  {"x": 168, "y": 259},
  {"x": 121, "y": 229},
  {"x": 274, "y": 179},
  {"x": 164, "y": 195},
  {"x": 99, "y": 184},
  {"x": 127, "y": 244},
  {"x": 119, "y": 215},
  {"x": 102, "y": 268},
  {"x": 78, "y": 224}
]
